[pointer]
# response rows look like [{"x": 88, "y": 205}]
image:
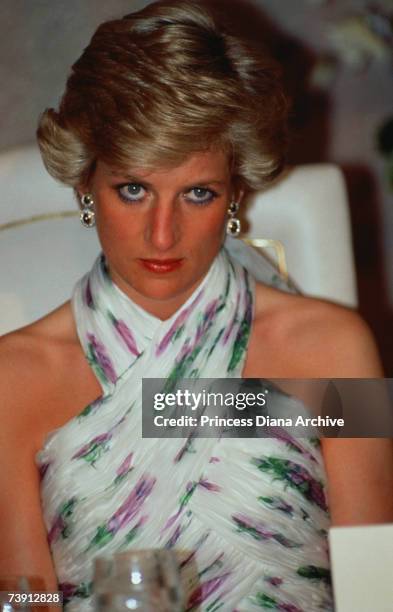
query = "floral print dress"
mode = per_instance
[{"x": 248, "y": 518}]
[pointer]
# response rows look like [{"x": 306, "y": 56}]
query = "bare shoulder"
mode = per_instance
[
  {"x": 37, "y": 364},
  {"x": 299, "y": 337},
  {"x": 31, "y": 362},
  {"x": 33, "y": 349},
  {"x": 317, "y": 338}
]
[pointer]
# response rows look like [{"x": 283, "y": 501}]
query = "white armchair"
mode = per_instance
[
  {"x": 43, "y": 257},
  {"x": 307, "y": 211}
]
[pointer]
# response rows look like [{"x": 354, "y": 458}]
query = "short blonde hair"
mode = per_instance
[{"x": 160, "y": 84}]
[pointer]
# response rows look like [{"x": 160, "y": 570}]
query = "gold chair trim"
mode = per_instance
[
  {"x": 35, "y": 218},
  {"x": 267, "y": 243}
]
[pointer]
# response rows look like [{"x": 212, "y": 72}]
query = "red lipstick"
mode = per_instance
[{"x": 161, "y": 266}]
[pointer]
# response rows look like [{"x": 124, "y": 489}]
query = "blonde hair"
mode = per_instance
[{"x": 160, "y": 84}]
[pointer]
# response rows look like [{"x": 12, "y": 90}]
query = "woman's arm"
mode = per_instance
[
  {"x": 24, "y": 547},
  {"x": 359, "y": 470},
  {"x": 360, "y": 480}
]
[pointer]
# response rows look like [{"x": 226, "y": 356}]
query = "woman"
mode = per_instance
[{"x": 168, "y": 119}]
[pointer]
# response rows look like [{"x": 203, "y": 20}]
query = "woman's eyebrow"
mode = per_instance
[
  {"x": 136, "y": 179},
  {"x": 208, "y": 182},
  {"x": 204, "y": 183},
  {"x": 127, "y": 177}
]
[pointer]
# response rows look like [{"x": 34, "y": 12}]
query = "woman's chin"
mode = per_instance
[{"x": 159, "y": 298}]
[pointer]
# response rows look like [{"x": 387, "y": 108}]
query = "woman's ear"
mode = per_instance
[
  {"x": 85, "y": 185},
  {"x": 238, "y": 191},
  {"x": 240, "y": 195},
  {"x": 80, "y": 190}
]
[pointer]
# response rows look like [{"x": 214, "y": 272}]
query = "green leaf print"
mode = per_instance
[
  {"x": 216, "y": 341},
  {"x": 239, "y": 345},
  {"x": 312, "y": 572},
  {"x": 90, "y": 408},
  {"x": 131, "y": 535},
  {"x": 185, "y": 498},
  {"x": 94, "y": 454},
  {"x": 178, "y": 333},
  {"x": 84, "y": 590},
  {"x": 277, "y": 503},
  {"x": 241, "y": 341},
  {"x": 295, "y": 475},
  {"x": 70, "y": 590},
  {"x": 93, "y": 362},
  {"x": 101, "y": 538},
  {"x": 86, "y": 411},
  {"x": 270, "y": 603},
  {"x": 215, "y": 605},
  {"x": 216, "y": 564},
  {"x": 60, "y": 524},
  {"x": 263, "y": 600}
]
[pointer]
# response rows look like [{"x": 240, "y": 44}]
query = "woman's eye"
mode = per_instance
[
  {"x": 132, "y": 192},
  {"x": 200, "y": 195}
]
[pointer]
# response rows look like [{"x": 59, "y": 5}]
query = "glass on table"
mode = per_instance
[{"x": 143, "y": 580}]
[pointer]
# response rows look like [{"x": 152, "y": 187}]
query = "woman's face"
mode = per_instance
[{"x": 161, "y": 230}]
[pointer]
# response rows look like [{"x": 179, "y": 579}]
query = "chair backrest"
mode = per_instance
[
  {"x": 307, "y": 211},
  {"x": 41, "y": 259}
]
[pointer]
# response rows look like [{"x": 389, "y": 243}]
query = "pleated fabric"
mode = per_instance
[{"x": 247, "y": 517}]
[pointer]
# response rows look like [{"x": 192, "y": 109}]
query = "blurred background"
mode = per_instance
[{"x": 338, "y": 65}]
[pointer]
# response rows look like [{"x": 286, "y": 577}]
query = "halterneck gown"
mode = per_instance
[{"x": 248, "y": 518}]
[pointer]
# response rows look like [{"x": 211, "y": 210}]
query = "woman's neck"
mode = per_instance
[{"x": 163, "y": 309}]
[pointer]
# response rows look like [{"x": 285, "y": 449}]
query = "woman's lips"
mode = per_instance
[{"x": 161, "y": 265}]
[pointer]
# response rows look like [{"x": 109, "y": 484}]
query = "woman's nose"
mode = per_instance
[{"x": 162, "y": 227}]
